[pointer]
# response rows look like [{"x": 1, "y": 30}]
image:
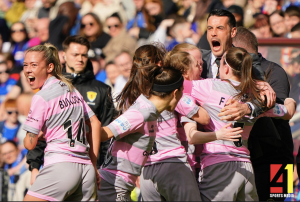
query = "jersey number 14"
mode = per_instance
[{"x": 80, "y": 137}]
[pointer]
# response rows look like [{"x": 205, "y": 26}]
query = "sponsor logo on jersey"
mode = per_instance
[
  {"x": 122, "y": 123},
  {"x": 187, "y": 100},
  {"x": 276, "y": 109}
]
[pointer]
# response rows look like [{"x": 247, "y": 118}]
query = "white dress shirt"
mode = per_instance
[{"x": 214, "y": 66}]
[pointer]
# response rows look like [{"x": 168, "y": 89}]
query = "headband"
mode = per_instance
[
  {"x": 229, "y": 65},
  {"x": 168, "y": 87}
]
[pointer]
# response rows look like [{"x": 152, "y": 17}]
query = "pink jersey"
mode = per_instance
[
  {"x": 61, "y": 115},
  {"x": 134, "y": 135},
  {"x": 167, "y": 145},
  {"x": 212, "y": 95}
]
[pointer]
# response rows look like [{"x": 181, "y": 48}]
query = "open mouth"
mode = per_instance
[
  {"x": 216, "y": 45},
  {"x": 31, "y": 79}
]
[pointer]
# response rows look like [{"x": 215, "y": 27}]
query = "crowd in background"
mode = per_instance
[{"x": 115, "y": 28}]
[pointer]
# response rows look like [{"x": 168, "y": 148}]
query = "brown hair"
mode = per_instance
[
  {"x": 148, "y": 18},
  {"x": 260, "y": 21},
  {"x": 246, "y": 39},
  {"x": 179, "y": 60},
  {"x": 10, "y": 103},
  {"x": 240, "y": 62},
  {"x": 141, "y": 78},
  {"x": 292, "y": 11},
  {"x": 76, "y": 39},
  {"x": 98, "y": 21}
]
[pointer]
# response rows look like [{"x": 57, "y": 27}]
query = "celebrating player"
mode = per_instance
[
  {"x": 135, "y": 130},
  {"x": 227, "y": 173},
  {"x": 59, "y": 111}
]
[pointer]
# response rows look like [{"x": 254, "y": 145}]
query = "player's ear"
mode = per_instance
[{"x": 50, "y": 68}]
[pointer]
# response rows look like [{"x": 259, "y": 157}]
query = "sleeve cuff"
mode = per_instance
[
  {"x": 33, "y": 165},
  {"x": 252, "y": 111}
]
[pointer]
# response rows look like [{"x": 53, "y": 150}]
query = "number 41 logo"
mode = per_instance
[{"x": 277, "y": 174}]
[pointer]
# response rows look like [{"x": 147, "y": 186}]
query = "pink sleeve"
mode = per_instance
[
  {"x": 278, "y": 110},
  {"x": 37, "y": 115},
  {"x": 186, "y": 106},
  {"x": 130, "y": 122},
  {"x": 202, "y": 90}
]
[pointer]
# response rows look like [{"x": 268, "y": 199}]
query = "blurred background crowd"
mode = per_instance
[{"x": 115, "y": 28}]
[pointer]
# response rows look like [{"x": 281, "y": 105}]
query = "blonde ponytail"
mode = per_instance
[{"x": 50, "y": 53}]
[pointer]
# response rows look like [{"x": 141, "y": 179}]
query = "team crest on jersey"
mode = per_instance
[{"x": 91, "y": 95}]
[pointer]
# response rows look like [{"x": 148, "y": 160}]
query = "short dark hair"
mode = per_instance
[
  {"x": 76, "y": 39},
  {"x": 11, "y": 142},
  {"x": 292, "y": 11},
  {"x": 109, "y": 63},
  {"x": 296, "y": 27},
  {"x": 221, "y": 13},
  {"x": 247, "y": 38},
  {"x": 115, "y": 15},
  {"x": 281, "y": 13}
]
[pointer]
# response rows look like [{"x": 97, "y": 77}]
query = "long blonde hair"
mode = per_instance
[{"x": 50, "y": 54}]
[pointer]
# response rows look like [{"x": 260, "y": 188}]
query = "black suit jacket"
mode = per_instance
[
  {"x": 207, "y": 73},
  {"x": 270, "y": 139}
]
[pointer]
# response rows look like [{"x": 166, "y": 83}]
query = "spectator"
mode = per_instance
[
  {"x": 262, "y": 27},
  {"x": 188, "y": 10},
  {"x": 10, "y": 127},
  {"x": 42, "y": 28},
  {"x": 112, "y": 73},
  {"x": 295, "y": 32},
  {"x": 124, "y": 64},
  {"x": 104, "y": 9},
  {"x": 4, "y": 36},
  {"x": 294, "y": 78},
  {"x": 139, "y": 18},
  {"x": 14, "y": 72},
  {"x": 289, "y": 3},
  {"x": 15, "y": 12},
  {"x": 270, "y": 6},
  {"x": 153, "y": 14},
  {"x": 291, "y": 17},
  {"x": 238, "y": 13},
  {"x": 252, "y": 9},
  {"x": 6, "y": 83},
  {"x": 19, "y": 39},
  {"x": 181, "y": 32},
  {"x": 60, "y": 27},
  {"x": 278, "y": 26},
  {"x": 50, "y": 8},
  {"x": 29, "y": 17},
  {"x": 92, "y": 29},
  {"x": 120, "y": 39},
  {"x": 14, "y": 163}
]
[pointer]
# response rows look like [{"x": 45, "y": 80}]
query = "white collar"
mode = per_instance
[{"x": 213, "y": 59}]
